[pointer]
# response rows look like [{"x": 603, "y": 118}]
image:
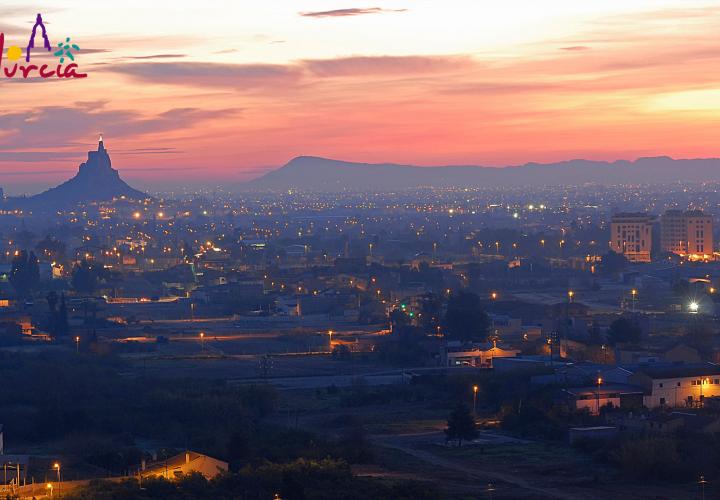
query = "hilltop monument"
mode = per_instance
[{"x": 96, "y": 180}]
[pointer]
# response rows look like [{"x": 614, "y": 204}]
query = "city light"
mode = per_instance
[{"x": 693, "y": 307}]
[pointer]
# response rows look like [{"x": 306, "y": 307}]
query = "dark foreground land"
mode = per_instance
[{"x": 100, "y": 415}]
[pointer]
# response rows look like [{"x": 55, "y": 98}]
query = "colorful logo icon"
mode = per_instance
[{"x": 66, "y": 49}]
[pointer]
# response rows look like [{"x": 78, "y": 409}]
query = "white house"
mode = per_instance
[
  {"x": 185, "y": 463},
  {"x": 677, "y": 385}
]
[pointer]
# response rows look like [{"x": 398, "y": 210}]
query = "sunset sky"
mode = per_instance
[{"x": 220, "y": 91}]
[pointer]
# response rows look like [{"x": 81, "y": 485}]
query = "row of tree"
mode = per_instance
[{"x": 25, "y": 275}]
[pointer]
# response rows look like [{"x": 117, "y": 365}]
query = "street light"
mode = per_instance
[
  {"x": 571, "y": 294},
  {"x": 694, "y": 307},
  {"x": 494, "y": 295},
  {"x": 475, "y": 392},
  {"x": 702, "y": 383},
  {"x": 202, "y": 341},
  {"x": 330, "y": 333},
  {"x": 49, "y": 486},
  {"x": 77, "y": 344},
  {"x": 490, "y": 489},
  {"x": 599, "y": 383},
  {"x": 633, "y": 292}
]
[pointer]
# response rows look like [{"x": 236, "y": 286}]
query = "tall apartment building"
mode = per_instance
[
  {"x": 631, "y": 235},
  {"x": 687, "y": 233}
]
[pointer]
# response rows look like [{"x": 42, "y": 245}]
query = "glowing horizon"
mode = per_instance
[{"x": 223, "y": 91}]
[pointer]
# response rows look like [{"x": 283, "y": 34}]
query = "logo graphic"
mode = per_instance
[
  {"x": 65, "y": 49},
  {"x": 31, "y": 43}
]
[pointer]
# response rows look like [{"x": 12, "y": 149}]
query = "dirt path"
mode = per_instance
[{"x": 406, "y": 443}]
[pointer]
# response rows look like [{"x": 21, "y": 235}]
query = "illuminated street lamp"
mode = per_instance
[
  {"x": 702, "y": 383},
  {"x": 77, "y": 344},
  {"x": 571, "y": 294},
  {"x": 693, "y": 307},
  {"x": 494, "y": 295},
  {"x": 633, "y": 292},
  {"x": 202, "y": 341},
  {"x": 330, "y": 334},
  {"x": 702, "y": 482},
  {"x": 49, "y": 486},
  {"x": 475, "y": 392},
  {"x": 599, "y": 383},
  {"x": 56, "y": 466}
]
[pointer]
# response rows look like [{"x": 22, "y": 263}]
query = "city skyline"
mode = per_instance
[{"x": 222, "y": 92}]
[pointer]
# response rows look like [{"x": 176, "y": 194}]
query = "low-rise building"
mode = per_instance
[
  {"x": 478, "y": 356},
  {"x": 183, "y": 464},
  {"x": 678, "y": 384},
  {"x": 594, "y": 398}
]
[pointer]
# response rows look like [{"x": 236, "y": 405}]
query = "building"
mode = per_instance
[
  {"x": 677, "y": 384},
  {"x": 478, "y": 356},
  {"x": 687, "y": 234},
  {"x": 594, "y": 398},
  {"x": 631, "y": 236},
  {"x": 183, "y": 464}
]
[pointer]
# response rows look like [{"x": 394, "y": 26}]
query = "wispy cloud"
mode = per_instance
[
  {"x": 247, "y": 76},
  {"x": 386, "y": 65},
  {"x": 36, "y": 156},
  {"x": 64, "y": 125},
  {"x": 158, "y": 56},
  {"x": 272, "y": 76},
  {"x": 349, "y": 12}
]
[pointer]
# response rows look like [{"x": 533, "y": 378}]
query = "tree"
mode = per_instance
[
  {"x": 85, "y": 277},
  {"x": 51, "y": 248},
  {"x": 613, "y": 262},
  {"x": 465, "y": 318},
  {"x": 52, "y": 300},
  {"x": 461, "y": 425},
  {"x": 62, "y": 325},
  {"x": 431, "y": 310},
  {"x": 398, "y": 320},
  {"x": 623, "y": 330},
  {"x": 700, "y": 337},
  {"x": 25, "y": 273}
]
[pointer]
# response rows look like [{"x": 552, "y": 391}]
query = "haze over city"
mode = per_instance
[
  {"x": 225, "y": 91},
  {"x": 402, "y": 250}
]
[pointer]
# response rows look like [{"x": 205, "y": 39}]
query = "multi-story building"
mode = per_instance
[
  {"x": 631, "y": 236},
  {"x": 687, "y": 233}
]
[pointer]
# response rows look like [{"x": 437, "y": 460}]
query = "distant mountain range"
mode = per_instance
[
  {"x": 96, "y": 180},
  {"x": 311, "y": 173}
]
